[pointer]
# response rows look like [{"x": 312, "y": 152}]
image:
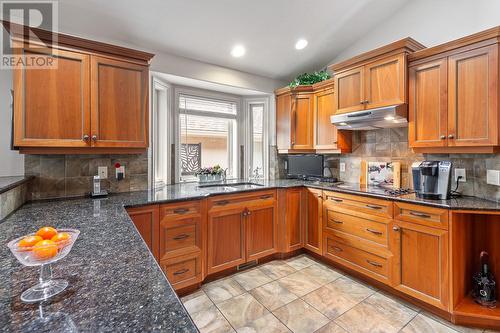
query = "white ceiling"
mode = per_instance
[{"x": 206, "y": 30}]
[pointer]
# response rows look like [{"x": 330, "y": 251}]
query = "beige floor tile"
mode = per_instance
[
  {"x": 197, "y": 302},
  {"x": 211, "y": 321},
  {"x": 337, "y": 297},
  {"x": 277, "y": 269},
  {"x": 300, "y": 317},
  {"x": 299, "y": 283},
  {"x": 222, "y": 290},
  {"x": 457, "y": 328},
  {"x": 252, "y": 279},
  {"x": 300, "y": 262},
  {"x": 331, "y": 328},
  {"x": 273, "y": 295},
  {"x": 321, "y": 274},
  {"x": 423, "y": 323},
  {"x": 265, "y": 324},
  {"x": 377, "y": 313},
  {"x": 241, "y": 310}
]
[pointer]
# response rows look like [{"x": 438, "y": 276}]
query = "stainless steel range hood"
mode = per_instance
[{"x": 386, "y": 117}]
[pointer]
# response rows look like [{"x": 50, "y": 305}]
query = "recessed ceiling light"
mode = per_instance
[
  {"x": 238, "y": 51},
  {"x": 301, "y": 43}
]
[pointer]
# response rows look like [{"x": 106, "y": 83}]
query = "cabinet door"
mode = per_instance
[
  {"x": 52, "y": 106},
  {"x": 385, "y": 82},
  {"x": 349, "y": 91},
  {"x": 325, "y": 134},
  {"x": 313, "y": 221},
  {"x": 473, "y": 97},
  {"x": 283, "y": 121},
  {"x": 146, "y": 220},
  {"x": 428, "y": 104},
  {"x": 261, "y": 232},
  {"x": 303, "y": 122},
  {"x": 421, "y": 262},
  {"x": 294, "y": 219},
  {"x": 119, "y": 104},
  {"x": 226, "y": 239}
]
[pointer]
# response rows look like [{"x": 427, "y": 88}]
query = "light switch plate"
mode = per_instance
[
  {"x": 493, "y": 177},
  {"x": 342, "y": 167},
  {"x": 102, "y": 171},
  {"x": 460, "y": 172}
]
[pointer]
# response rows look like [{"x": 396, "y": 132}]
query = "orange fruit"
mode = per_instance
[
  {"x": 28, "y": 241},
  {"x": 45, "y": 249},
  {"x": 46, "y": 232},
  {"x": 61, "y": 238}
]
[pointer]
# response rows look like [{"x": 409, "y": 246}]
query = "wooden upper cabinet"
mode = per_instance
[
  {"x": 302, "y": 120},
  {"x": 473, "y": 97},
  {"x": 385, "y": 82},
  {"x": 350, "y": 91},
  {"x": 325, "y": 133},
  {"x": 52, "y": 105},
  {"x": 119, "y": 103},
  {"x": 283, "y": 121},
  {"x": 428, "y": 104}
]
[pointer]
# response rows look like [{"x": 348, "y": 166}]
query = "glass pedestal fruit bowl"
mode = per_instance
[{"x": 33, "y": 250}]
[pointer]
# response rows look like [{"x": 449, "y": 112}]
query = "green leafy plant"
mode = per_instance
[{"x": 309, "y": 78}]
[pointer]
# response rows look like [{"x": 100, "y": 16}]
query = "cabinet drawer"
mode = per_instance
[
  {"x": 174, "y": 211},
  {"x": 234, "y": 201},
  {"x": 359, "y": 204},
  {"x": 181, "y": 236},
  {"x": 182, "y": 271},
  {"x": 367, "y": 229},
  {"x": 424, "y": 215},
  {"x": 359, "y": 258}
]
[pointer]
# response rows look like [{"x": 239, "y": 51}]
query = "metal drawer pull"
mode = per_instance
[
  {"x": 266, "y": 196},
  {"x": 374, "y": 231},
  {"x": 338, "y": 249},
  {"x": 420, "y": 215},
  {"x": 181, "y": 236},
  {"x": 182, "y": 271},
  {"x": 337, "y": 222},
  {"x": 374, "y": 207},
  {"x": 373, "y": 263},
  {"x": 222, "y": 203},
  {"x": 396, "y": 228},
  {"x": 336, "y": 200},
  {"x": 181, "y": 210}
]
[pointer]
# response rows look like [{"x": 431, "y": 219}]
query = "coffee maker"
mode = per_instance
[{"x": 432, "y": 179}]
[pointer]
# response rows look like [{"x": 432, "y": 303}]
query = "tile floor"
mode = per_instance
[{"x": 301, "y": 295}]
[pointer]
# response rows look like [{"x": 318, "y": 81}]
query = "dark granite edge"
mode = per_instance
[{"x": 15, "y": 184}]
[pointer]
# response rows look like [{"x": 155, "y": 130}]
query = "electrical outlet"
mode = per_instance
[
  {"x": 342, "y": 167},
  {"x": 102, "y": 171},
  {"x": 120, "y": 172},
  {"x": 460, "y": 173},
  {"x": 493, "y": 177}
]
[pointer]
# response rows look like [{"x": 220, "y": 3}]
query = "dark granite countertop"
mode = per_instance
[
  {"x": 9, "y": 182},
  {"x": 115, "y": 283}
]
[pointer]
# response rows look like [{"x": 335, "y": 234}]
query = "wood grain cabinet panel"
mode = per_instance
[
  {"x": 349, "y": 91},
  {"x": 119, "y": 103},
  {"x": 421, "y": 266},
  {"x": 473, "y": 97},
  {"x": 183, "y": 271},
  {"x": 52, "y": 105},
  {"x": 261, "y": 232},
  {"x": 294, "y": 219},
  {"x": 313, "y": 222},
  {"x": 146, "y": 220},
  {"x": 428, "y": 104},
  {"x": 325, "y": 133},
  {"x": 302, "y": 121},
  {"x": 283, "y": 121}
]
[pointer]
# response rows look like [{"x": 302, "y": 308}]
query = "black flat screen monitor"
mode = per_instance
[{"x": 305, "y": 166}]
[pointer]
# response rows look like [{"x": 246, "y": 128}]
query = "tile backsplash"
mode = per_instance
[
  {"x": 58, "y": 176},
  {"x": 392, "y": 145}
]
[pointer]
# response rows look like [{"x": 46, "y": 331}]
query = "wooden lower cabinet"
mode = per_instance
[
  {"x": 421, "y": 265},
  {"x": 183, "y": 271},
  {"x": 261, "y": 232},
  {"x": 313, "y": 221},
  {"x": 294, "y": 219},
  {"x": 146, "y": 221}
]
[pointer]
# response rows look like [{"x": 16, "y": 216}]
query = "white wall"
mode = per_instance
[
  {"x": 431, "y": 22},
  {"x": 11, "y": 162}
]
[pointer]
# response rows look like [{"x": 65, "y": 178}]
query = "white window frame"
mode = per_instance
[
  {"x": 248, "y": 102},
  {"x": 180, "y": 90}
]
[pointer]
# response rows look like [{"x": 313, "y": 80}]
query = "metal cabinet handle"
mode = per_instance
[
  {"x": 374, "y": 231},
  {"x": 338, "y": 249},
  {"x": 373, "y": 263},
  {"x": 181, "y": 236},
  {"x": 266, "y": 196},
  {"x": 222, "y": 203},
  {"x": 425, "y": 216},
  {"x": 335, "y": 199},
  {"x": 182, "y": 271},
  {"x": 374, "y": 206},
  {"x": 442, "y": 137},
  {"x": 94, "y": 137},
  {"x": 86, "y": 137},
  {"x": 451, "y": 136},
  {"x": 181, "y": 210},
  {"x": 396, "y": 228},
  {"x": 337, "y": 222}
]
